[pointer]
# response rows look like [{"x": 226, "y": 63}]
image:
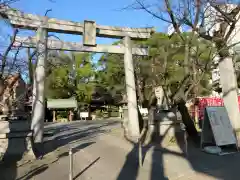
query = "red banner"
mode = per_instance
[{"x": 209, "y": 101}]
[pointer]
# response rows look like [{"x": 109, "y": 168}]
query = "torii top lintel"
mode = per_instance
[{"x": 22, "y": 20}]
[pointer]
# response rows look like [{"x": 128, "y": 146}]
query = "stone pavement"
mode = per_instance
[{"x": 107, "y": 156}]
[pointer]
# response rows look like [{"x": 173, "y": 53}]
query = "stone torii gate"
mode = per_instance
[{"x": 90, "y": 30}]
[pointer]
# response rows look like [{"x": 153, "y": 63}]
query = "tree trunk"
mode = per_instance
[
  {"x": 30, "y": 66},
  {"x": 187, "y": 121},
  {"x": 179, "y": 98},
  {"x": 141, "y": 120},
  {"x": 89, "y": 112}
]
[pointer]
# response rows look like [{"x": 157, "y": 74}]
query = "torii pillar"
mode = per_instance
[
  {"x": 38, "y": 105},
  {"x": 133, "y": 119}
]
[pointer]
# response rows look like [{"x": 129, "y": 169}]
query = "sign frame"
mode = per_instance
[{"x": 212, "y": 131}]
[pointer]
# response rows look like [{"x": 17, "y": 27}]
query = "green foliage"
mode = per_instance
[
  {"x": 111, "y": 75},
  {"x": 84, "y": 77},
  {"x": 58, "y": 81},
  {"x": 62, "y": 114},
  {"x": 168, "y": 59},
  {"x": 61, "y": 85},
  {"x": 165, "y": 66},
  {"x": 99, "y": 113},
  {"x": 84, "y": 92},
  {"x": 114, "y": 114}
]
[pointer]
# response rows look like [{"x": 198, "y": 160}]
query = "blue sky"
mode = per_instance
[{"x": 104, "y": 12}]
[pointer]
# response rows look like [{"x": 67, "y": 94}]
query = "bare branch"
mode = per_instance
[
  {"x": 227, "y": 17},
  {"x": 172, "y": 17},
  {"x": 234, "y": 13},
  {"x": 4, "y": 60},
  {"x": 30, "y": 68},
  {"x": 198, "y": 10},
  {"x": 183, "y": 83},
  {"x": 47, "y": 11},
  {"x": 145, "y": 8},
  {"x": 7, "y": 2},
  {"x": 14, "y": 59}
]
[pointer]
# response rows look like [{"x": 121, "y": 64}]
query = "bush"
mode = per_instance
[
  {"x": 114, "y": 114},
  {"x": 106, "y": 114},
  {"x": 62, "y": 114},
  {"x": 99, "y": 113}
]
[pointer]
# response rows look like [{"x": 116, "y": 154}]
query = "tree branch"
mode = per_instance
[
  {"x": 9, "y": 48},
  {"x": 172, "y": 17},
  {"x": 143, "y": 7},
  {"x": 15, "y": 59},
  {"x": 30, "y": 65},
  {"x": 225, "y": 15},
  {"x": 182, "y": 84},
  {"x": 198, "y": 10},
  {"x": 234, "y": 13}
]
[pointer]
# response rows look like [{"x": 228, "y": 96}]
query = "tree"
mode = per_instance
[
  {"x": 110, "y": 75},
  {"x": 84, "y": 77},
  {"x": 212, "y": 21},
  {"x": 58, "y": 80},
  {"x": 163, "y": 67},
  {"x": 11, "y": 69},
  {"x": 166, "y": 67}
]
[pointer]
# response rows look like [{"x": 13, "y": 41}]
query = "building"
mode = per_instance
[
  {"x": 211, "y": 24},
  {"x": 14, "y": 94}
]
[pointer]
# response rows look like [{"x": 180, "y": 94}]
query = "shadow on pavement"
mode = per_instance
[
  {"x": 86, "y": 168},
  {"x": 131, "y": 166},
  {"x": 34, "y": 172},
  {"x": 220, "y": 167},
  {"x": 65, "y": 136},
  {"x": 43, "y": 167},
  {"x": 76, "y": 149},
  {"x": 73, "y": 133},
  {"x": 205, "y": 165}
]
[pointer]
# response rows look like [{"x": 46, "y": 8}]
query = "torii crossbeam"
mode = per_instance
[
  {"x": 31, "y": 42},
  {"x": 90, "y": 30}
]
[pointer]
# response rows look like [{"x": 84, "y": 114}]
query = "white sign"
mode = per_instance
[
  {"x": 144, "y": 111},
  {"x": 159, "y": 92},
  {"x": 83, "y": 114},
  {"x": 215, "y": 75}
]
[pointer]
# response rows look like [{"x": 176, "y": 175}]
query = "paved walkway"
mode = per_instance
[
  {"x": 110, "y": 157},
  {"x": 103, "y": 155}
]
